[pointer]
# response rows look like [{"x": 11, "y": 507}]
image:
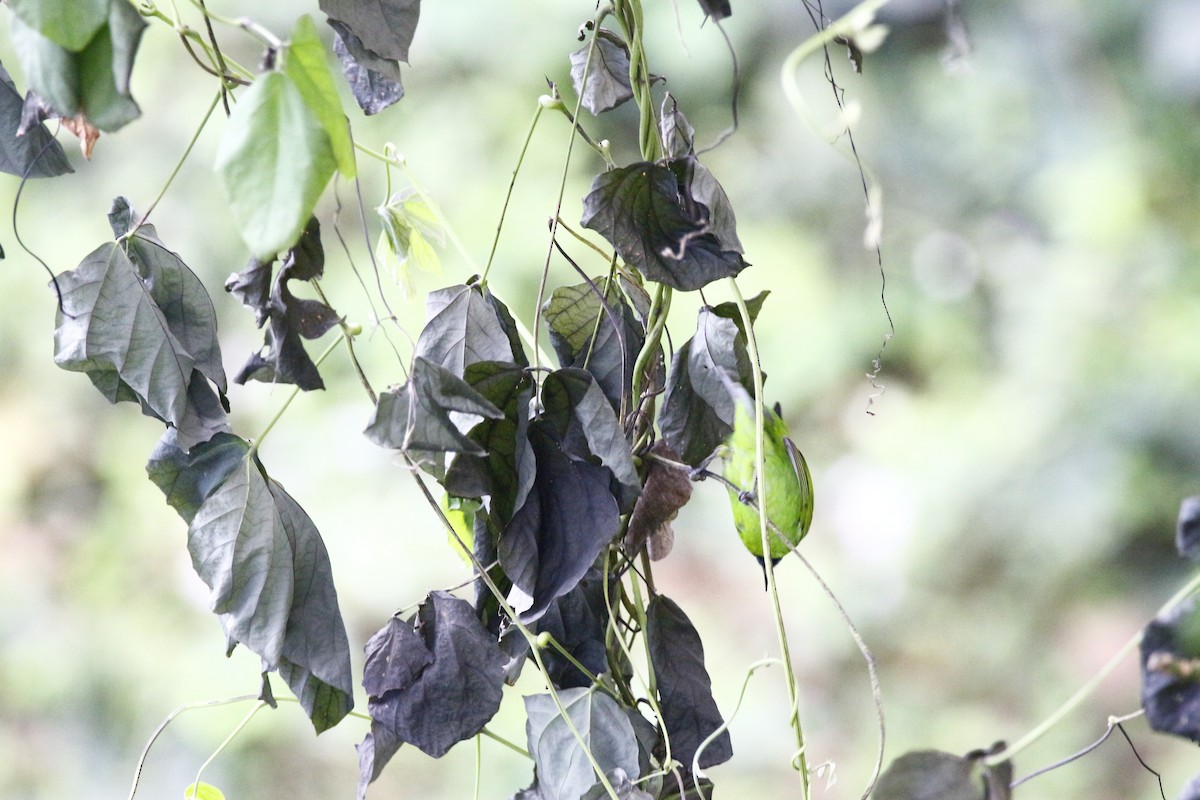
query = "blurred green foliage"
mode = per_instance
[{"x": 998, "y": 524}]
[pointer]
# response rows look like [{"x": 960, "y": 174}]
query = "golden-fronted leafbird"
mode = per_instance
[{"x": 789, "y": 487}]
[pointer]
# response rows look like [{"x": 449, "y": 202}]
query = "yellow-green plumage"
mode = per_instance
[{"x": 788, "y": 484}]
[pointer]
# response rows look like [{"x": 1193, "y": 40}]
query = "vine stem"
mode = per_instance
[
  {"x": 179, "y": 165},
  {"x": 1084, "y": 691},
  {"x": 537, "y": 115},
  {"x": 800, "y": 759},
  {"x": 259, "y": 706},
  {"x": 292, "y": 396},
  {"x": 162, "y": 726}
]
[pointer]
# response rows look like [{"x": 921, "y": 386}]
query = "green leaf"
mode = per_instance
[
  {"x": 305, "y": 64},
  {"x": 408, "y": 226},
  {"x": 564, "y": 771},
  {"x": 188, "y": 478},
  {"x": 71, "y": 24},
  {"x": 203, "y": 791},
  {"x": 650, "y": 217},
  {"x": 93, "y": 82},
  {"x": 274, "y": 160}
]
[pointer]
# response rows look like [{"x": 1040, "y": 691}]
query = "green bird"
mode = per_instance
[{"x": 789, "y": 486}]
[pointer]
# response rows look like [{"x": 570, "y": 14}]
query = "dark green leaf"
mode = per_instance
[
  {"x": 689, "y": 712},
  {"x": 468, "y": 324},
  {"x": 607, "y": 74},
  {"x": 315, "y": 661},
  {"x": 557, "y": 534},
  {"x": 93, "y": 82},
  {"x": 578, "y": 621},
  {"x": 677, "y": 134},
  {"x": 721, "y": 221},
  {"x": 110, "y": 328},
  {"x": 418, "y": 415},
  {"x": 586, "y": 427},
  {"x": 274, "y": 160},
  {"x": 270, "y": 581},
  {"x": 32, "y": 153},
  {"x": 374, "y": 81},
  {"x": 930, "y": 775},
  {"x": 564, "y": 772},
  {"x": 506, "y": 473},
  {"x": 283, "y": 358},
  {"x": 396, "y": 657},
  {"x": 717, "y": 9},
  {"x": 384, "y": 26},
  {"x": 188, "y": 478},
  {"x": 1171, "y": 671},
  {"x": 71, "y": 24},
  {"x": 179, "y": 294},
  {"x": 603, "y": 338},
  {"x": 1187, "y": 529},
  {"x": 305, "y": 65},
  {"x": 698, "y": 409},
  {"x": 451, "y": 698},
  {"x": 655, "y": 224}
]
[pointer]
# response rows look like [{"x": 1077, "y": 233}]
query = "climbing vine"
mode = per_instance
[{"x": 556, "y": 477}]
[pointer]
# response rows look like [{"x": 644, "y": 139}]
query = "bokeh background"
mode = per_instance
[{"x": 998, "y": 526}]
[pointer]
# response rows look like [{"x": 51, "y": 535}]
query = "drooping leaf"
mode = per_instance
[
  {"x": 676, "y": 133},
  {"x": 188, "y": 478},
  {"x": 585, "y": 427},
  {"x": 1170, "y": 652},
  {"x": 34, "y": 153},
  {"x": 267, "y": 570},
  {"x": 92, "y": 82},
  {"x": 467, "y": 324},
  {"x": 564, "y": 772},
  {"x": 667, "y": 489},
  {"x": 71, "y": 24},
  {"x": 577, "y": 621},
  {"x": 717, "y": 9},
  {"x": 721, "y": 220},
  {"x": 384, "y": 26},
  {"x": 451, "y": 698},
  {"x": 396, "y": 657},
  {"x": 427, "y": 413},
  {"x": 689, "y": 711},
  {"x": 316, "y": 652},
  {"x": 176, "y": 290},
  {"x": 607, "y": 74},
  {"x": 506, "y": 473},
  {"x": 655, "y": 224},
  {"x": 110, "y": 328},
  {"x": 1187, "y": 529},
  {"x": 274, "y": 160},
  {"x": 305, "y": 64},
  {"x": 410, "y": 228},
  {"x": 373, "y": 79},
  {"x": 698, "y": 409},
  {"x": 603, "y": 338},
  {"x": 283, "y": 358},
  {"x": 930, "y": 775},
  {"x": 556, "y": 535}
]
